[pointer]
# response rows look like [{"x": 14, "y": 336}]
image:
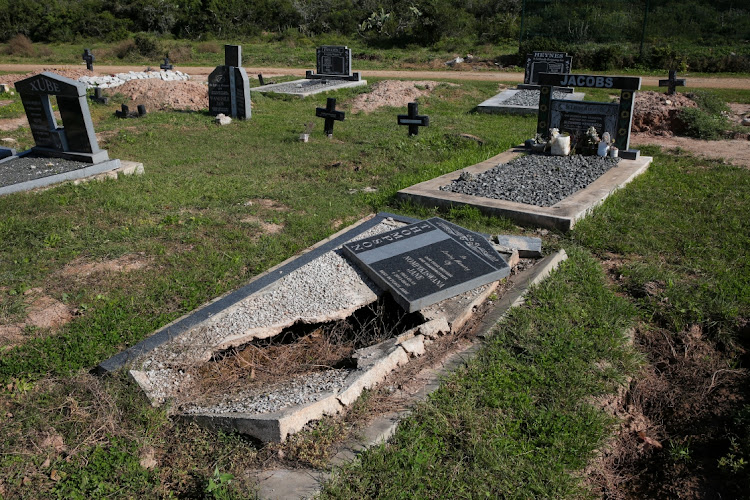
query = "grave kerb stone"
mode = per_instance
[
  {"x": 426, "y": 262},
  {"x": 76, "y": 139}
]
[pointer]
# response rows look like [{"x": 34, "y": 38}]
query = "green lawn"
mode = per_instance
[{"x": 517, "y": 422}]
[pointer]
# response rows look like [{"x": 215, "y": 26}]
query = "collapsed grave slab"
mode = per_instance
[
  {"x": 561, "y": 215},
  {"x": 279, "y": 299}
]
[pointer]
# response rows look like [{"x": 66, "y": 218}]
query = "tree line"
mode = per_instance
[{"x": 382, "y": 22}]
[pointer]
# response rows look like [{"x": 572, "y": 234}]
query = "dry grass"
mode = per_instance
[{"x": 21, "y": 45}]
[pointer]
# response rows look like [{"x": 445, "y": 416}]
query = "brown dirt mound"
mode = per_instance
[
  {"x": 655, "y": 112},
  {"x": 163, "y": 95},
  {"x": 393, "y": 93},
  {"x": 73, "y": 74}
]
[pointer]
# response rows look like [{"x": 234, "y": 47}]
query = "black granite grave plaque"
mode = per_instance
[
  {"x": 233, "y": 55},
  {"x": 426, "y": 262},
  {"x": 576, "y": 117},
  {"x": 545, "y": 62}
]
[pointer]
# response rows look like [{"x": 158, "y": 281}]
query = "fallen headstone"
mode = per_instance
[{"x": 526, "y": 246}]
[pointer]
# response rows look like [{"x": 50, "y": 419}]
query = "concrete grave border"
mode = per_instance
[
  {"x": 108, "y": 169},
  {"x": 561, "y": 216}
]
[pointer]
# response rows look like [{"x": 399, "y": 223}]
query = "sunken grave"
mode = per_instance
[{"x": 304, "y": 339}]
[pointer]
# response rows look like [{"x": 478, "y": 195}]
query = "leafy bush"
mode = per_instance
[
  {"x": 147, "y": 46},
  {"x": 709, "y": 102},
  {"x": 694, "y": 122}
]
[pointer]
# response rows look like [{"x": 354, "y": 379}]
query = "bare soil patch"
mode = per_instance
[
  {"x": 265, "y": 226},
  {"x": 734, "y": 151},
  {"x": 164, "y": 95},
  {"x": 393, "y": 93},
  {"x": 655, "y": 113},
  {"x": 267, "y": 204},
  {"x": 80, "y": 268}
]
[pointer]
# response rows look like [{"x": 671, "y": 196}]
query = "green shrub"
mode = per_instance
[
  {"x": 709, "y": 102},
  {"x": 147, "y": 46},
  {"x": 694, "y": 122}
]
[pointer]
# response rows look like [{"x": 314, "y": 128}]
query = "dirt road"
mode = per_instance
[{"x": 201, "y": 73}]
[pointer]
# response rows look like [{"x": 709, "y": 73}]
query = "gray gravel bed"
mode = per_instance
[
  {"x": 534, "y": 179},
  {"x": 298, "y": 391},
  {"x": 28, "y": 169},
  {"x": 531, "y": 98},
  {"x": 305, "y": 86}
]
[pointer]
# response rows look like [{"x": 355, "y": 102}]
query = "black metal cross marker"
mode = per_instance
[
  {"x": 99, "y": 97},
  {"x": 260, "y": 79},
  {"x": 672, "y": 82},
  {"x": 330, "y": 114},
  {"x": 167, "y": 64},
  {"x": 414, "y": 119},
  {"x": 88, "y": 56}
]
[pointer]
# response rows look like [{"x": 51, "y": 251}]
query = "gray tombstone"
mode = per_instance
[
  {"x": 229, "y": 86},
  {"x": 76, "y": 139},
  {"x": 545, "y": 62},
  {"x": 426, "y": 262}
]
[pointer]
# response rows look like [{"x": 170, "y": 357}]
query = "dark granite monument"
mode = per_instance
[
  {"x": 76, "y": 139},
  {"x": 426, "y": 262},
  {"x": 575, "y": 117},
  {"x": 333, "y": 62},
  {"x": 545, "y": 62},
  {"x": 413, "y": 119},
  {"x": 552, "y": 109},
  {"x": 229, "y": 86},
  {"x": 167, "y": 64}
]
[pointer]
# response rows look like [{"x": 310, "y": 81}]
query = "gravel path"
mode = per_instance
[
  {"x": 27, "y": 169},
  {"x": 534, "y": 179}
]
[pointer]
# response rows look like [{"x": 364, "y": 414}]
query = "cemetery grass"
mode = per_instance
[{"x": 189, "y": 226}]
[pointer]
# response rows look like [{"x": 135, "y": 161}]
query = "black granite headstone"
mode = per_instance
[
  {"x": 89, "y": 58},
  {"x": 76, "y": 140},
  {"x": 229, "y": 87},
  {"x": 333, "y": 62},
  {"x": 426, "y": 262},
  {"x": 624, "y": 117},
  {"x": 545, "y": 62}
]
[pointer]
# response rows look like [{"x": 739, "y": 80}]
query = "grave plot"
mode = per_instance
[
  {"x": 334, "y": 72},
  {"x": 553, "y": 193},
  {"x": 524, "y": 99},
  {"x": 306, "y": 338},
  {"x": 60, "y": 153}
]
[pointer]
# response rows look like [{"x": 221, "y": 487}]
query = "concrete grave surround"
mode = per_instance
[
  {"x": 306, "y": 87},
  {"x": 561, "y": 216},
  {"x": 251, "y": 313},
  {"x": 76, "y": 139},
  {"x": 502, "y": 103}
]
